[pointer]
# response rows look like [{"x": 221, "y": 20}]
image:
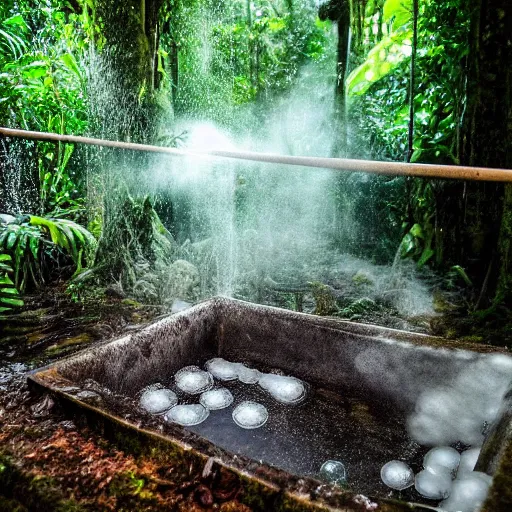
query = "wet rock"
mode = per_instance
[
  {"x": 43, "y": 407},
  {"x": 67, "y": 425},
  {"x": 90, "y": 397}
]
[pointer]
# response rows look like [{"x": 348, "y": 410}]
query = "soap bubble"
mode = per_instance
[
  {"x": 287, "y": 390},
  {"x": 442, "y": 457},
  {"x": 333, "y": 472},
  {"x": 214, "y": 399},
  {"x": 397, "y": 475},
  {"x": 468, "y": 461},
  {"x": 433, "y": 484},
  {"x": 468, "y": 493},
  {"x": 193, "y": 380},
  {"x": 222, "y": 369},
  {"x": 247, "y": 375},
  {"x": 156, "y": 400},
  {"x": 187, "y": 415},
  {"x": 250, "y": 415}
]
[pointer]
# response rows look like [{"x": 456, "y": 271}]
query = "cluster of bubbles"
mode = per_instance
[
  {"x": 192, "y": 380},
  {"x": 447, "y": 475}
]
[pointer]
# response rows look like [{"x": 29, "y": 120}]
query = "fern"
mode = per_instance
[{"x": 9, "y": 296}]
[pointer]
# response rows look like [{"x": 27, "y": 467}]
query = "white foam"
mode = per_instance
[
  {"x": 435, "y": 485},
  {"x": 459, "y": 411},
  {"x": 250, "y": 415},
  {"x": 468, "y": 461},
  {"x": 287, "y": 390},
  {"x": 397, "y": 475},
  {"x": 248, "y": 375},
  {"x": 222, "y": 369},
  {"x": 193, "y": 380},
  {"x": 468, "y": 493},
  {"x": 187, "y": 415},
  {"x": 215, "y": 399},
  {"x": 156, "y": 400},
  {"x": 443, "y": 458}
]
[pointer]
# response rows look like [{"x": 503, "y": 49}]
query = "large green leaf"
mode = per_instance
[
  {"x": 382, "y": 59},
  {"x": 70, "y": 62},
  {"x": 398, "y": 12},
  {"x": 388, "y": 53}
]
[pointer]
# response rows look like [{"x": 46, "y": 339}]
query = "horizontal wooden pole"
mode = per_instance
[{"x": 457, "y": 172}]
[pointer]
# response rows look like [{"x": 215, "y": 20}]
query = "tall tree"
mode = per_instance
[
  {"x": 129, "y": 56},
  {"x": 339, "y": 12},
  {"x": 487, "y": 138}
]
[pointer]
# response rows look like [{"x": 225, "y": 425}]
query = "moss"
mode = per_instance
[
  {"x": 324, "y": 299},
  {"x": 131, "y": 302},
  {"x": 27, "y": 492},
  {"x": 500, "y": 497}
]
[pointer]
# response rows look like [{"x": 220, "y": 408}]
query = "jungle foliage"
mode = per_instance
[{"x": 216, "y": 60}]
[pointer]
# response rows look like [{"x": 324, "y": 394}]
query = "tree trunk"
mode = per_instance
[
  {"x": 130, "y": 29},
  {"x": 486, "y": 139}
]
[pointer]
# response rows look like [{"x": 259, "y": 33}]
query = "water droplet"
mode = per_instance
[
  {"x": 287, "y": 390},
  {"x": 442, "y": 457},
  {"x": 193, "y": 380},
  {"x": 432, "y": 484},
  {"x": 187, "y": 415},
  {"x": 334, "y": 472},
  {"x": 250, "y": 415},
  {"x": 397, "y": 475},
  {"x": 156, "y": 400},
  {"x": 222, "y": 369},
  {"x": 214, "y": 399}
]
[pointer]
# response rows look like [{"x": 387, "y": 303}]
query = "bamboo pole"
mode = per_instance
[{"x": 337, "y": 164}]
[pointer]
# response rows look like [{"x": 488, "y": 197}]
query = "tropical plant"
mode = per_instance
[
  {"x": 42, "y": 87},
  {"x": 390, "y": 52},
  {"x": 35, "y": 244},
  {"x": 9, "y": 295}
]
